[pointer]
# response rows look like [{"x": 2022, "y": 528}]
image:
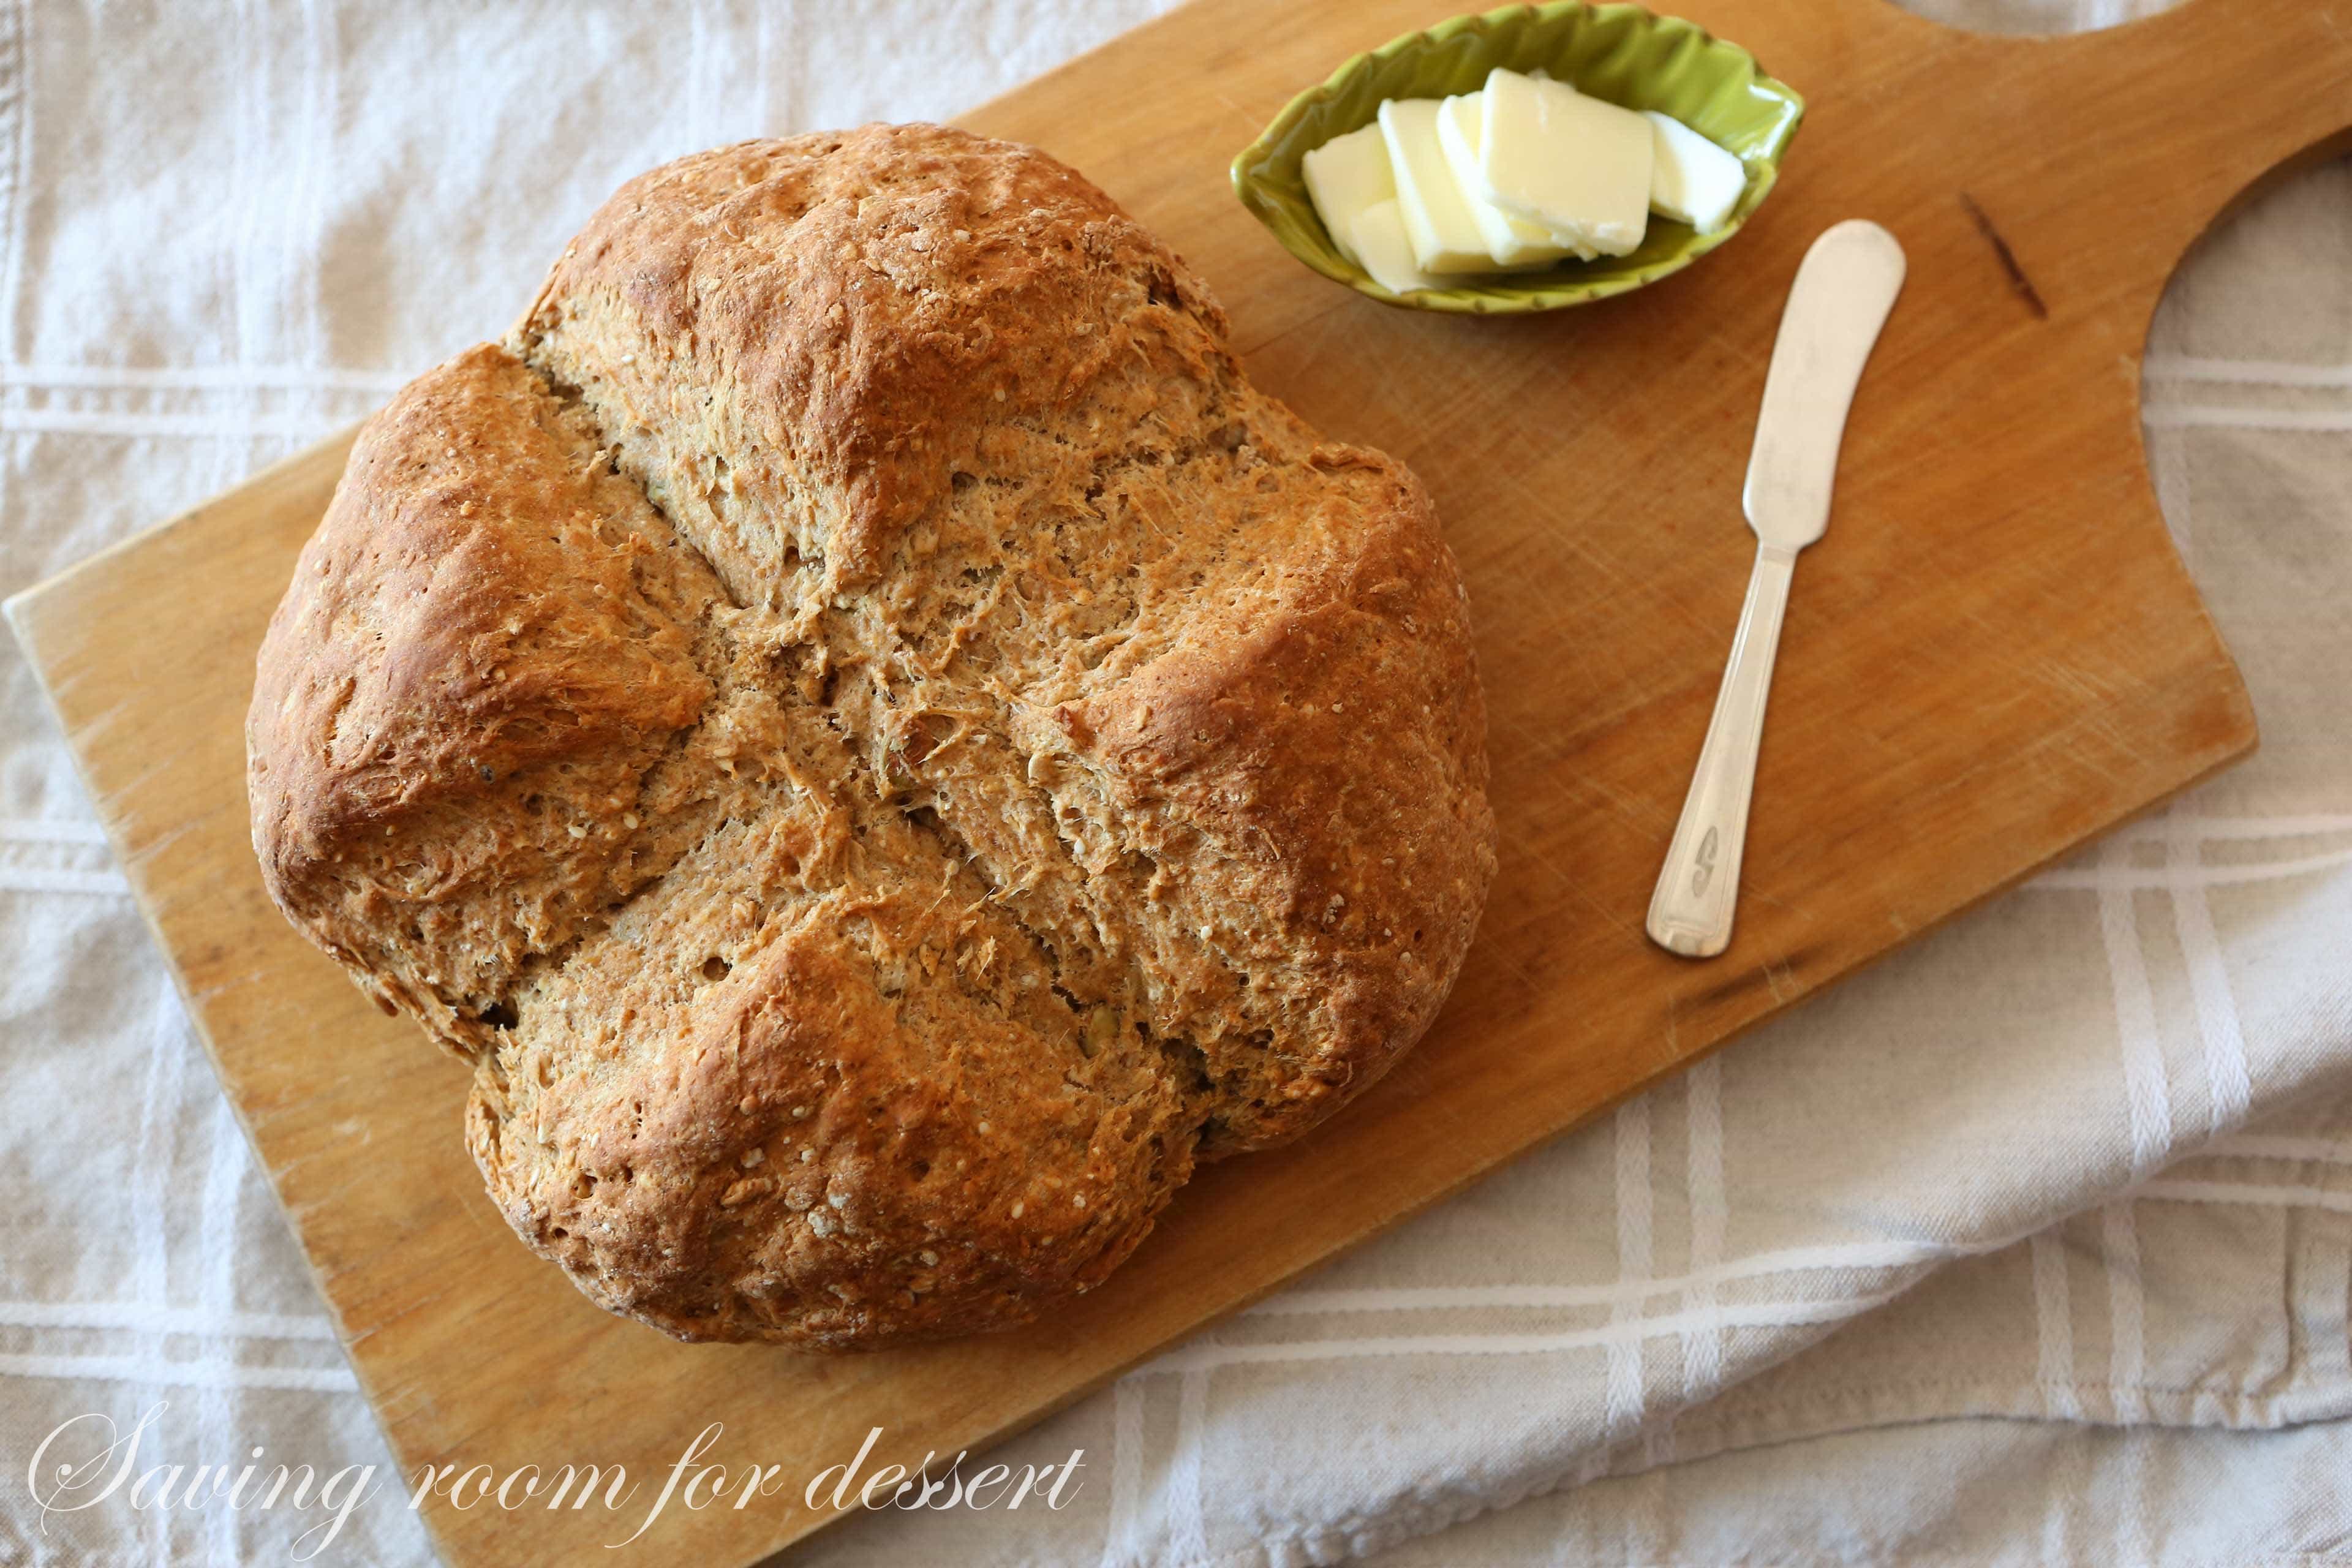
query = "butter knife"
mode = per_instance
[{"x": 1844, "y": 288}]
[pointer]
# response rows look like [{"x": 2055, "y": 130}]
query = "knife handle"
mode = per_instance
[{"x": 1690, "y": 913}]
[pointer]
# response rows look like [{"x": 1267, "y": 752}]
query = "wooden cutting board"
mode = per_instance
[{"x": 1994, "y": 656}]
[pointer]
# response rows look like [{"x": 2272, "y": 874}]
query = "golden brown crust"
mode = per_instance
[{"x": 877, "y": 742}]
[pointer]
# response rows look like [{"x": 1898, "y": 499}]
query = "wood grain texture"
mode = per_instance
[{"x": 1994, "y": 654}]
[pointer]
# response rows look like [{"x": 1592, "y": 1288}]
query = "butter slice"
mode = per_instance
[
  {"x": 1512, "y": 242},
  {"x": 1691, "y": 178},
  {"x": 1572, "y": 164},
  {"x": 1344, "y": 176},
  {"x": 1377, "y": 239},
  {"x": 1437, "y": 217}
]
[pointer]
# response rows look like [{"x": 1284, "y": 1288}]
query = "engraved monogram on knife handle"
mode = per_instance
[{"x": 1844, "y": 288}]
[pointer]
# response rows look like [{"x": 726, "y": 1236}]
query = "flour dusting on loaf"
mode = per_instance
[{"x": 877, "y": 744}]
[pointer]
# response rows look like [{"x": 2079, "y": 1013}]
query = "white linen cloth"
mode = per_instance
[{"x": 2033, "y": 1245}]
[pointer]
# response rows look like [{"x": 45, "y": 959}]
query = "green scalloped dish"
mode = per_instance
[{"x": 1623, "y": 54}]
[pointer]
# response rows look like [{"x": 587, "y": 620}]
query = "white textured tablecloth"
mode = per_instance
[{"x": 2033, "y": 1245}]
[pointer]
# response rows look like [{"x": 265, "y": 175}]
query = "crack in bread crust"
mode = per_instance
[{"x": 877, "y": 742}]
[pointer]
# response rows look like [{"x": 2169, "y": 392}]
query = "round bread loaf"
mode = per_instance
[{"x": 873, "y": 739}]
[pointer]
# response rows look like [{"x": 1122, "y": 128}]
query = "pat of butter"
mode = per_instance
[
  {"x": 1377, "y": 239},
  {"x": 1512, "y": 242},
  {"x": 1573, "y": 164},
  {"x": 1691, "y": 178},
  {"x": 1344, "y": 176},
  {"x": 1445, "y": 238}
]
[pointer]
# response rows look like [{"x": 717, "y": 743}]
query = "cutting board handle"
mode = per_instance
[{"x": 2160, "y": 127}]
